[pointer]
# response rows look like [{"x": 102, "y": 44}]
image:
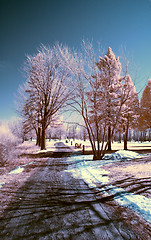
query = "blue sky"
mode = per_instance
[{"x": 24, "y": 25}]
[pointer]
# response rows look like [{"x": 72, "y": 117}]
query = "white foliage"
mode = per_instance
[
  {"x": 149, "y": 82},
  {"x": 109, "y": 87},
  {"x": 6, "y": 135},
  {"x": 46, "y": 89},
  {"x": 129, "y": 111}
]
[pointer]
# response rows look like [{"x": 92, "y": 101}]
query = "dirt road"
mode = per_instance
[{"x": 53, "y": 205}]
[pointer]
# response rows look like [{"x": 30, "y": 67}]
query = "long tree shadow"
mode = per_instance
[{"x": 51, "y": 202}]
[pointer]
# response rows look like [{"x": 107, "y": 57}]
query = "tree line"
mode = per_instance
[{"x": 96, "y": 89}]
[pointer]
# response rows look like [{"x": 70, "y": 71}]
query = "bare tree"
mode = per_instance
[
  {"x": 130, "y": 110},
  {"x": 82, "y": 68},
  {"x": 46, "y": 87}
]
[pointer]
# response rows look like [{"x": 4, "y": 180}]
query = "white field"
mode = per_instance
[
  {"x": 115, "y": 145},
  {"x": 29, "y": 146}
]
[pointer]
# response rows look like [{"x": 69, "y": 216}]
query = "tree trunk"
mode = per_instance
[
  {"x": 109, "y": 138},
  {"x": 38, "y": 143},
  {"x": 23, "y": 139},
  {"x": 91, "y": 138},
  {"x": 144, "y": 136},
  {"x": 98, "y": 139},
  {"x": 36, "y": 138},
  {"x": 43, "y": 143},
  {"x": 134, "y": 136},
  {"x": 43, "y": 135},
  {"x": 125, "y": 136},
  {"x": 141, "y": 137},
  {"x": 119, "y": 136},
  {"x": 125, "y": 142}
]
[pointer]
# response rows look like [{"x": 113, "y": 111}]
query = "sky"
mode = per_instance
[{"x": 25, "y": 25}]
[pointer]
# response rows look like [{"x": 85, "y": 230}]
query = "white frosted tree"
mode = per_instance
[
  {"x": 6, "y": 134},
  {"x": 109, "y": 99},
  {"x": 130, "y": 109},
  {"x": 28, "y": 114},
  {"x": 31, "y": 121},
  {"x": 46, "y": 87}
]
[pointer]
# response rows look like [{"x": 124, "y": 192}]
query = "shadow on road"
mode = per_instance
[{"x": 53, "y": 205}]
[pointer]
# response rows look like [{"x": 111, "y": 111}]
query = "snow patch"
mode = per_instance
[
  {"x": 128, "y": 154},
  {"x": 122, "y": 155},
  {"x": 137, "y": 203},
  {"x": 17, "y": 170},
  {"x": 1, "y": 184},
  {"x": 92, "y": 173}
]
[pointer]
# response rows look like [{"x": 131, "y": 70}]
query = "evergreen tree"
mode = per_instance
[{"x": 110, "y": 90}]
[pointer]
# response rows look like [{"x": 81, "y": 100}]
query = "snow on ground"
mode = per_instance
[
  {"x": 115, "y": 145},
  {"x": 128, "y": 154},
  {"x": 17, "y": 170},
  {"x": 5, "y": 177},
  {"x": 26, "y": 147},
  {"x": 1, "y": 184},
  {"x": 92, "y": 173},
  {"x": 122, "y": 154},
  {"x": 30, "y": 147},
  {"x": 132, "y": 145},
  {"x": 139, "y": 170},
  {"x": 138, "y": 203}
]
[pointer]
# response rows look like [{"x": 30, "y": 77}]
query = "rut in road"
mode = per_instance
[{"x": 53, "y": 205}]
